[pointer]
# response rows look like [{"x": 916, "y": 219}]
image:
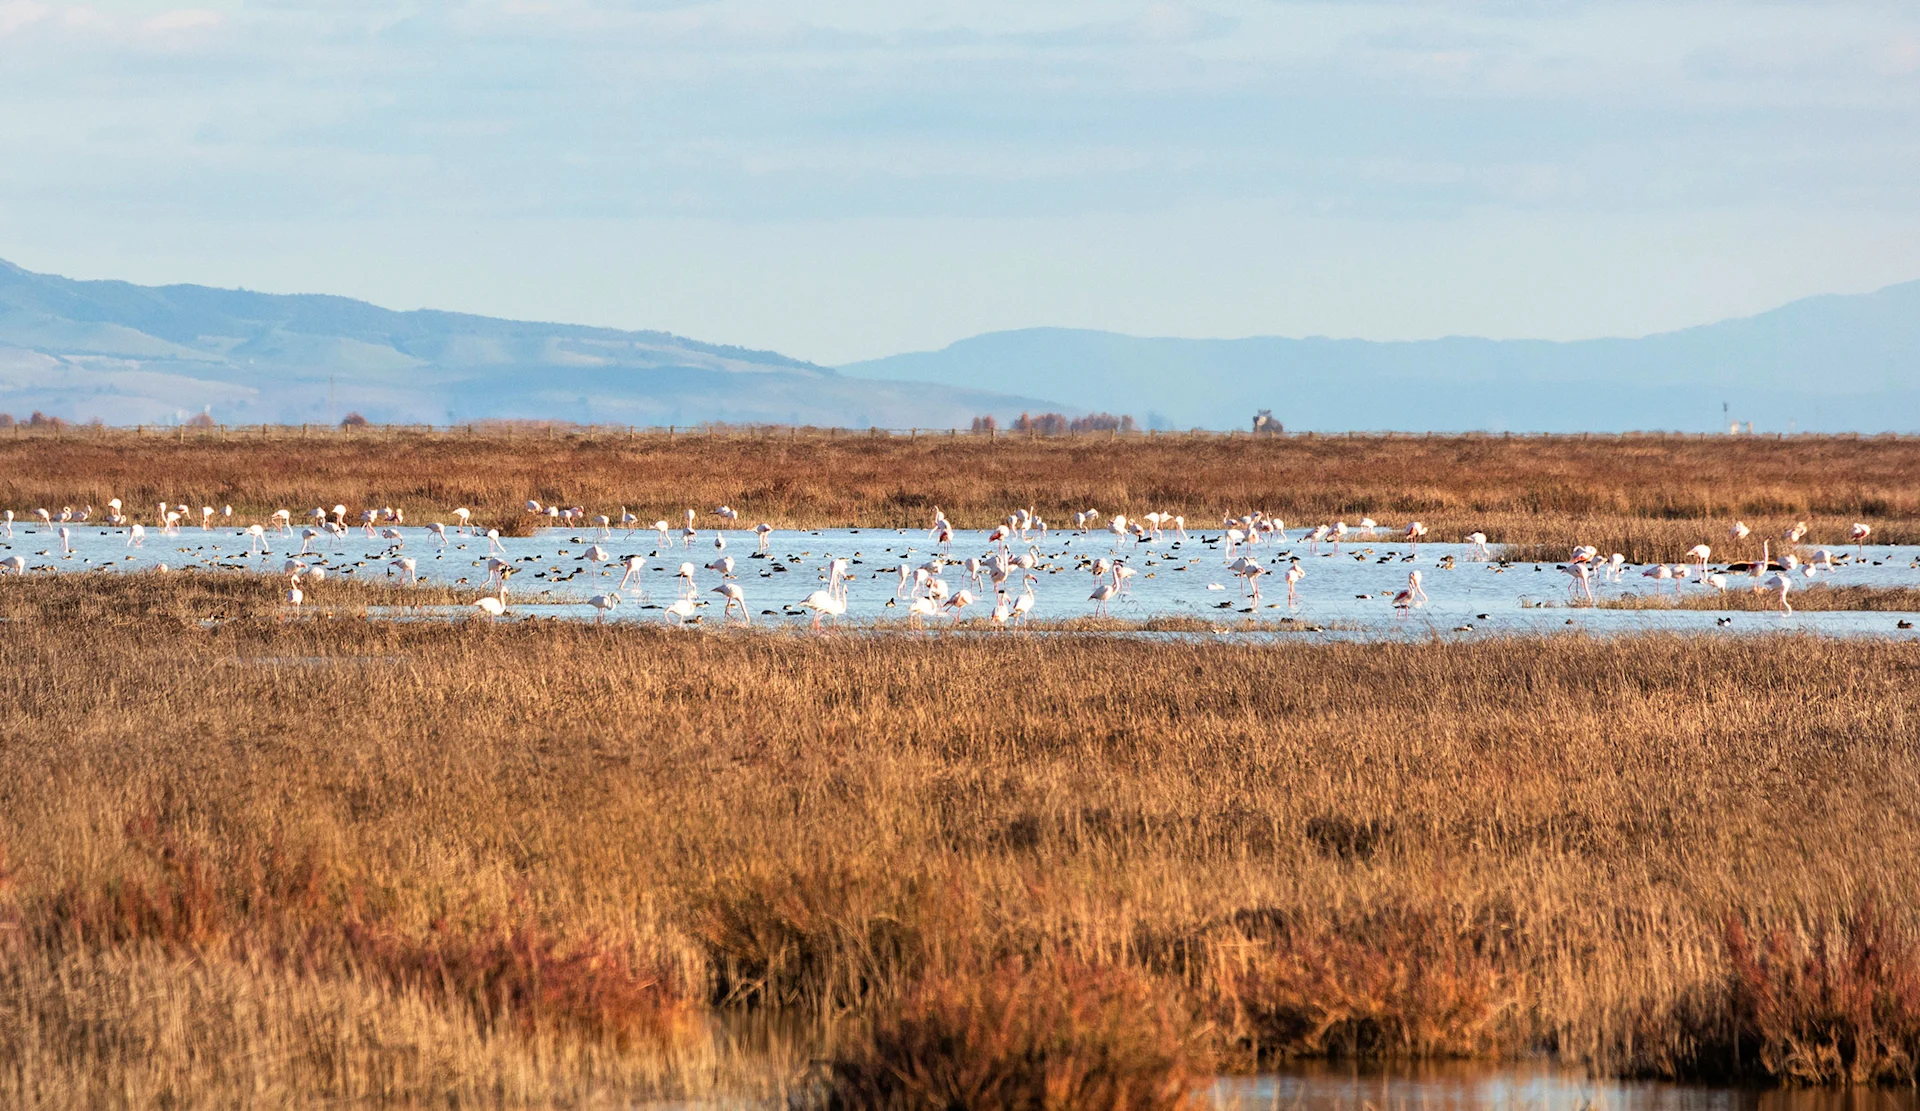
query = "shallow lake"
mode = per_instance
[
  {"x": 1345, "y": 591},
  {"x": 1524, "y": 1088}
]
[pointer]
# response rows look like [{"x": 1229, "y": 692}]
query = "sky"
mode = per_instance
[{"x": 841, "y": 180}]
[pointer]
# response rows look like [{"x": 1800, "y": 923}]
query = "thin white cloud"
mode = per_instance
[{"x": 18, "y": 14}]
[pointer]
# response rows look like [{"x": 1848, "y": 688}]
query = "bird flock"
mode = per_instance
[{"x": 1001, "y": 577}]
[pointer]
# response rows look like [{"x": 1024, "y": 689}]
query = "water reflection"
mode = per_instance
[{"x": 1524, "y": 1088}]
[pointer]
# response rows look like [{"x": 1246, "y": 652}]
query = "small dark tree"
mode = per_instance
[
  {"x": 6, "y": 420},
  {"x": 41, "y": 420},
  {"x": 354, "y": 420},
  {"x": 985, "y": 424},
  {"x": 200, "y": 420},
  {"x": 1102, "y": 422}
]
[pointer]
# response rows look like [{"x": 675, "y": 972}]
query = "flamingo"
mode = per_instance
[
  {"x": 1582, "y": 575},
  {"x": 1417, "y": 591},
  {"x": 1294, "y": 574},
  {"x": 1659, "y": 573},
  {"x": 822, "y": 603},
  {"x": 66, "y": 540},
  {"x": 16, "y": 564},
  {"x": 661, "y": 527},
  {"x": 1101, "y": 595},
  {"x": 493, "y": 541},
  {"x": 294, "y": 594},
  {"x": 764, "y": 531},
  {"x": 1002, "y": 610},
  {"x": 685, "y": 574},
  {"x": 436, "y": 529},
  {"x": 724, "y": 565},
  {"x": 1796, "y": 533},
  {"x": 137, "y": 536},
  {"x": 1415, "y": 530},
  {"x": 465, "y": 515},
  {"x": 1778, "y": 583},
  {"x": 1859, "y": 536},
  {"x": 735, "y": 597},
  {"x": 257, "y": 536},
  {"x": 409, "y": 570},
  {"x": 603, "y": 604},
  {"x": 1699, "y": 553},
  {"x": 1023, "y": 605},
  {"x": 635, "y": 565},
  {"x": 9, "y": 524},
  {"x": 1739, "y": 531},
  {"x": 919, "y": 610},
  {"x": 960, "y": 601},
  {"x": 1479, "y": 542},
  {"x": 1616, "y": 564},
  {"x": 491, "y": 606},
  {"x": 682, "y": 609}
]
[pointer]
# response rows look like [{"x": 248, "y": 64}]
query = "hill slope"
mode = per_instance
[
  {"x": 137, "y": 354},
  {"x": 1834, "y": 363}
]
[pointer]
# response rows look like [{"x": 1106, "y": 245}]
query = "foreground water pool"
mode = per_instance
[
  {"x": 1345, "y": 591},
  {"x": 1524, "y": 1088}
]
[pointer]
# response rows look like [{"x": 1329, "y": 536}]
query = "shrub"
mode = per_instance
[
  {"x": 1023, "y": 1036},
  {"x": 1830, "y": 1010}
]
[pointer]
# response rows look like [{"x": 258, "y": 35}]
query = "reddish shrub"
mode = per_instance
[
  {"x": 1393, "y": 984},
  {"x": 1830, "y": 1010},
  {"x": 1056, "y": 1034}
]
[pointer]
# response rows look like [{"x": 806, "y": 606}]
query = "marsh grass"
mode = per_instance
[
  {"x": 1649, "y": 498},
  {"x": 538, "y": 862},
  {"x": 1742, "y": 595}
]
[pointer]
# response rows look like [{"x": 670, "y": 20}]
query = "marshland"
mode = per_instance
[
  {"x": 252, "y": 858},
  {"x": 253, "y": 852},
  {"x": 1649, "y": 497}
]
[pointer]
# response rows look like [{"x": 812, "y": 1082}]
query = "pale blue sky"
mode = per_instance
[{"x": 840, "y": 180}]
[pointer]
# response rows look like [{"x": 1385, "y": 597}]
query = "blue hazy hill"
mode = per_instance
[
  {"x": 141, "y": 354},
  {"x": 1834, "y": 363}
]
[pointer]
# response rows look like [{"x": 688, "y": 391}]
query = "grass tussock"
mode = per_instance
[
  {"x": 1649, "y": 498},
  {"x": 543, "y": 862},
  {"x": 1027, "y": 1037}
]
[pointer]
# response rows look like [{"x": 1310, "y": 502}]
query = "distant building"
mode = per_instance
[{"x": 1264, "y": 424}]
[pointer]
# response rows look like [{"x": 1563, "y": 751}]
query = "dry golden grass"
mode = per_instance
[
  {"x": 1742, "y": 596},
  {"x": 533, "y": 863},
  {"x": 1649, "y": 498}
]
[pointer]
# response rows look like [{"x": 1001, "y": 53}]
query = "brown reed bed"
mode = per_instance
[
  {"x": 535, "y": 863},
  {"x": 1742, "y": 595},
  {"x": 1649, "y": 498}
]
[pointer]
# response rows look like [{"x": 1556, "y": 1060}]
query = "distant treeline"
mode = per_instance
[{"x": 1052, "y": 423}]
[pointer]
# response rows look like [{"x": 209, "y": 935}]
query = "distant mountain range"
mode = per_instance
[
  {"x": 1831, "y": 363},
  {"x": 131, "y": 354}
]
